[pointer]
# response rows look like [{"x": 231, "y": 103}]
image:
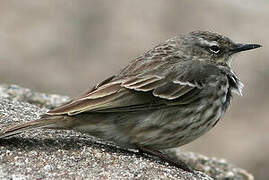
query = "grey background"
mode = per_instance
[{"x": 65, "y": 47}]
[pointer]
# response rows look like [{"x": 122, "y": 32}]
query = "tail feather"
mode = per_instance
[{"x": 40, "y": 123}]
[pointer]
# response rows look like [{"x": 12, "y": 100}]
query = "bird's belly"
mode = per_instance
[
  {"x": 177, "y": 130},
  {"x": 159, "y": 129},
  {"x": 176, "y": 126}
]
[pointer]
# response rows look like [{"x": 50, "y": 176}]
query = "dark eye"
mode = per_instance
[{"x": 215, "y": 49}]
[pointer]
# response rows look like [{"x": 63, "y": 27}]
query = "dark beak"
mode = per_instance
[{"x": 244, "y": 47}]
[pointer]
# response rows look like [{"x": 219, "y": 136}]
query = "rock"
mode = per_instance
[
  {"x": 16, "y": 93},
  {"x": 55, "y": 154}
]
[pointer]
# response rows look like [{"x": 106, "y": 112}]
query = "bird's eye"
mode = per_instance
[{"x": 215, "y": 49}]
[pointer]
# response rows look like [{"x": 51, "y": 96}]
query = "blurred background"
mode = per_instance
[{"x": 64, "y": 47}]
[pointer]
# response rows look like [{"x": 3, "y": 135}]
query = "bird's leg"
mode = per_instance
[{"x": 177, "y": 163}]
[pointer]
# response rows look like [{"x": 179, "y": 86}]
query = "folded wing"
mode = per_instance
[{"x": 134, "y": 92}]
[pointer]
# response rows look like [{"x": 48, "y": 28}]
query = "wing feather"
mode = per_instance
[
  {"x": 136, "y": 82},
  {"x": 116, "y": 97},
  {"x": 135, "y": 92},
  {"x": 103, "y": 91},
  {"x": 172, "y": 91}
]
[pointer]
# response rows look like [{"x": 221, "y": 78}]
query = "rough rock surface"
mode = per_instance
[{"x": 54, "y": 154}]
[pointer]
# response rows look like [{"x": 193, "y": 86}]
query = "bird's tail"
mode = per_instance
[{"x": 43, "y": 122}]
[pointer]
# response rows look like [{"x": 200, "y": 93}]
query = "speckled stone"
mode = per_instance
[{"x": 55, "y": 154}]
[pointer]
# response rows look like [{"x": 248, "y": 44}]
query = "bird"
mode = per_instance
[{"x": 165, "y": 98}]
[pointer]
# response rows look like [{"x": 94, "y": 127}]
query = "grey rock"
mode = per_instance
[{"x": 55, "y": 154}]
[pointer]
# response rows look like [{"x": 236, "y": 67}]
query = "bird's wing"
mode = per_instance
[{"x": 157, "y": 88}]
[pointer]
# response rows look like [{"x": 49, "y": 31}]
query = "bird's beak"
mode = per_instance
[{"x": 244, "y": 47}]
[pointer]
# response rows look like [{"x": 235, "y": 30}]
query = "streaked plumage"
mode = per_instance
[{"x": 165, "y": 98}]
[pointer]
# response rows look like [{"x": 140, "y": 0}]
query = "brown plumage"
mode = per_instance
[{"x": 165, "y": 98}]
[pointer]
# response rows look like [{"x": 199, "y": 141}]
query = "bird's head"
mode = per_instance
[{"x": 208, "y": 46}]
